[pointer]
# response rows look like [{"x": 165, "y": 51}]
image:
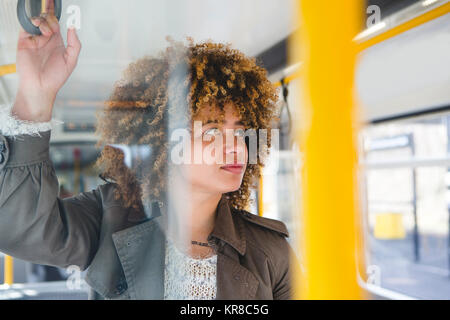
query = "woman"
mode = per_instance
[{"x": 158, "y": 229}]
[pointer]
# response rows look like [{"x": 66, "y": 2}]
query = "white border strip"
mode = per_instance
[{"x": 386, "y": 293}]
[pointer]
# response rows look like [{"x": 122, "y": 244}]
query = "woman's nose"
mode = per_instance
[{"x": 234, "y": 146}]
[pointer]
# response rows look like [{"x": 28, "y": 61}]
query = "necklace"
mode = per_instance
[
  {"x": 203, "y": 244},
  {"x": 197, "y": 256}
]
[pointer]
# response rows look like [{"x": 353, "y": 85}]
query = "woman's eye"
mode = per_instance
[
  {"x": 212, "y": 132},
  {"x": 239, "y": 133}
]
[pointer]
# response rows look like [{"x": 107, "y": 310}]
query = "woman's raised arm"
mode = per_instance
[{"x": 35, "y": 224}]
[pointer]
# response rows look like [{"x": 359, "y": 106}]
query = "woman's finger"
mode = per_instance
[
  {"x": 45, "y": 28},
  {"x": 73, "y": 48},
  {"x": 36, "y": 21},
  {"x": 51, "y": 6},
  {"x": 53, "y": 23}
]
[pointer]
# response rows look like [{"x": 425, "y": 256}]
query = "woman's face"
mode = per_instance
[{"x": 218, "y": 152}]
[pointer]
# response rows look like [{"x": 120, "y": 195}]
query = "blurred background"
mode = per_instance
[{"x": 403, "y": 89}]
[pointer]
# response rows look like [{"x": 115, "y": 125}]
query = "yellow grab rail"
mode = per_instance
[
  {"x": 408, "y": 25},
  {"x": 9, "y": 270},
  {"x": 44, "y": 6},
  {"x": 325, "y": 132},
  {"x": 390, "y": 33},
  {"x": 7, "y": 69}
]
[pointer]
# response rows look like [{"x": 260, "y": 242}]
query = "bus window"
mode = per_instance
[{"x": 408, "y": 205}]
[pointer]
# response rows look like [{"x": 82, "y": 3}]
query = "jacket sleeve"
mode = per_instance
[{"x": 35, "y": 224}]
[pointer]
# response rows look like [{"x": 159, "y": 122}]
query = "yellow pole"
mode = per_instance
[
  {"x": 326, "y": 135},
  {"x": 9, "y": 270},
  {"x": 261, "y": 197},
  {"x": 7, "y": 69}
]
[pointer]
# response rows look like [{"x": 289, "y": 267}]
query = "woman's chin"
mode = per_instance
[{"x": 231, "y": 187}]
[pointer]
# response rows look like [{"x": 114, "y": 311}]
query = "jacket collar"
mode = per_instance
[
  {"x": 228, "y": 227},
  {"x": 141, "y": 251},
  {"x": 152, "y": 210}
]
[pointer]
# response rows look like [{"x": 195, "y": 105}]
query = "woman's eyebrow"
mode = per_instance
[
  {"x": 210, "y": 121},
  {"x": 238, "y": 123}
]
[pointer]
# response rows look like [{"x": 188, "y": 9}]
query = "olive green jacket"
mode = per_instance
[{"x": 122, "y": 250}]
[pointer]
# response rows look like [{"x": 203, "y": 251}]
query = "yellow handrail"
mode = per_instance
[
  {"x": 44, "y": 6},
  {"x": 408, "y": 25},
  {"x": 9, "y": 270},
  {"x": 7, "y": 69},
  {"x": 289, "y": 78},
  {"x": 326, "y": 134}
]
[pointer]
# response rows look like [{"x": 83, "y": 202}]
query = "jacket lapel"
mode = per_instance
[
  {"x": 234, "y": 281},
  {"x": 227, "y": 229},
  {"x": 141, "y": 250}
]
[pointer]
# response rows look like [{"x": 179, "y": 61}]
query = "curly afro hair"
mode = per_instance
[{"x": 175, "y": 85}]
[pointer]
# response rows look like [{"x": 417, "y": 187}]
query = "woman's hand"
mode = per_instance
[{"x": 43, "y": 64}]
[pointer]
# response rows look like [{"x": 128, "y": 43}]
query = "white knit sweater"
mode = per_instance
[{"x": 186, "y": 278}]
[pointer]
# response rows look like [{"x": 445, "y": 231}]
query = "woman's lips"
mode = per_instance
[{"x": 233, "y": 168}]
